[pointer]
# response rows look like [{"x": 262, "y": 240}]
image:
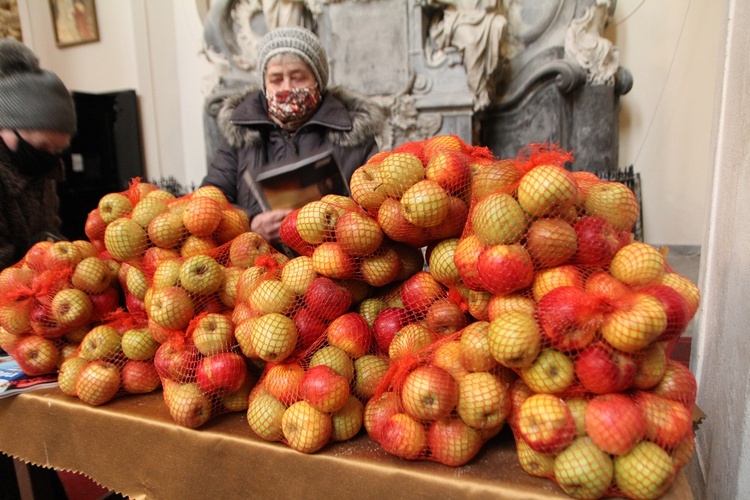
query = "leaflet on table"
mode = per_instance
[{"x": 14, "y": 381}]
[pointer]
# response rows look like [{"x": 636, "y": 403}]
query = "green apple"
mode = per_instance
[
  {"x": 547, "y": 189},
  {"x": 69, "y": 371},
  {"x": 91, "y": 275},
  {"x": 425, "y": 204},
  {"x": 635, "y": 324},
  {"x": 498, "y": 219},
  {"x": 533, "y": 462},
  {"x": 138, "y": 344},
  {"x": 97, "y": 383},
  {"x": 647, "y": 471},
  {"x": 442, "y": 266},
  {"x": 201, "y": 274},
  {"x": 584, "y": 471},
  {"x": 398, "y": 172},
  {"x": 476, "y": 355},
  {"x": 514, "y": 339},
  {"x": 271, "y": 296},
  {"x": 102, "y": 342},
  {"x": 125, "y": 240},
  {"x": 298, "y": 274},
  {"x": 334, "y": 358},
  {"x": 146, "y": 209},
  {"x": 167, "y": 274},
  {"x": 369, "y": 371},
  {"x": 273, "y": 336},
  {"x": 264, "y": 413},
  {"x": 551, "y": 373},
  {"x": 71, "y": 308},
  {"x": 483, "y": 400},
  {"x": 614, "y": 202},
  {"x": 347, "y": 420},
  {"x": 113, "y": 206},
  {"x": 213, "y": 334},
  {"x": 166, "y": 230},
  {"x": 366, "y": 187},
  {"x": 136, "y": 282},
  {"x": 171, "y": 308},
  {"x": 316, "y": 222},
  {"x": 306, "y": 429},
  {"x": 638, "y": 264}
]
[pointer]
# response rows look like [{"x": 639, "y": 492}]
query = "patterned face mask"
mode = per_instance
[{"x": 290, "y": 107}]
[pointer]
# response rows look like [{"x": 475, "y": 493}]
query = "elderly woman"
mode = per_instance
[{"x": 292, "y": 116}]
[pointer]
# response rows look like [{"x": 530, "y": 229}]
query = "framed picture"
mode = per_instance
[
  {"x": 10, "y": 23},
  {"x": 74, "y": 22}
]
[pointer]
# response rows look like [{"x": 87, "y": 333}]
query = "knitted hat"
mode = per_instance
[
  {"x": 30, "y": 97},
  {"x": 298, "y": 41}
]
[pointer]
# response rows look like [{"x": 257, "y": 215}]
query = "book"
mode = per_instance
[
  {"x": 292, "y": 185},
  {"x": 14, "y": 381}
]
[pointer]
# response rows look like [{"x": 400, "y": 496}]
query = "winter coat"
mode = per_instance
[
  {"x": 250, "y": 140},
  {"x": 28, "y": 207}
]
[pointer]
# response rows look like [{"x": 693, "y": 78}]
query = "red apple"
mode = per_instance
[
  {"x": 139, "y": 377},
  {"x": 394, "y": 224},
  {"x": 387, "y": 323},
  {"x": 378, "y": 410},
  {"x": 327, "y": 299},
  {"x": 602, "y": 369},
  {"x": 282, "y": 381},
  {"x": 676, "y": 307},
  {"x": 176, "y": 362},
  {"x": 221, "y": 373},
  {"x": 36, "y": 355},
  {"x": 419, "y": 292},
  {"x": 309, "y": 327},
  {"x": 351, "y": 333},
  {"x": 568, "y": 317},
  {"x": 598, "y": 241},
  {"x": 668, "y": 422},
  {"x": 551, "y": 242},
  {"x": 505, "y": 268},
  {"x": 107, "y": 301},
  {"x": 444, "y": 317},
  {"x": 677, "y": 384},
  {"x": 614, "y": 423},
  {"x": 291, "y": 237},
  {"x": 466, "y": 259},
  {"x": 324, "y": 389}
]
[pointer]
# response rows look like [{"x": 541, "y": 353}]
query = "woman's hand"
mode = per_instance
[{"x": 267, "y": 224}]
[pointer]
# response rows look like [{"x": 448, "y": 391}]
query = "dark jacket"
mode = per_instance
[
  {"x": 250, "y": 140},
  {"x": 28, "y": 207}
]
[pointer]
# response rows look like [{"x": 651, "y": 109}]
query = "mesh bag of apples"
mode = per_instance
[
  {"x": 587, "y": 318},
  {"x": 50, "y": 299}
]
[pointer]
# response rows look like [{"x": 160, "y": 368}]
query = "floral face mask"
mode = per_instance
[{"x": 290, "y": 107}]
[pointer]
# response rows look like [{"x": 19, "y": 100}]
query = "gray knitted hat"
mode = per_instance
[
  {"x": 30, "y": 97},
  {"x": 298, "y": 41}
]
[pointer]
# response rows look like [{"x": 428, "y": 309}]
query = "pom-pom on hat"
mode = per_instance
[
  {"x": 30, "y": 97},
  {"x": 299, "y": 41}
]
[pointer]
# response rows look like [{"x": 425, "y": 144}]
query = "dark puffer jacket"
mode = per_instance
[
  {"x": 345, "y": 122},
  {"x": 28, "y": 207}
]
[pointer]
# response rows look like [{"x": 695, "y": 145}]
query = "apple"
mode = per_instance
[
  {"x": 91, "y": 275},
  {"x": 394, "y": 224},
  {"x": 547, "y": 189},
  {"x": 166, "y": 230},
  {"x": 533, "y": 462},
  {"x": 552, "y": 372},
  {"x": 602, "y": 369},
  {"x": 598, "y": 241},
  {"x": 381, "y": 268},
  {"x": 687, "y": 289},
  {"x": 166, "y": 274},
  {"x": 171, "y": 307},
  {"x": 113, "y": 206},
  {"x": 367, "y": 188},
  {"x": 429, "y": 393},
  {"x": 577, "y": 406},
  {"x": 447, "y": 355},
  {"x": 326, "y": 299},
  {"x": 306, "y": 429},
  {"x": 676, "y": 307},
  {"x": 498, "y": 219},
  {"x": 94, "y": 226},
  {"x": 445, "y": 317},
  {"x": 213, "y": 334},
  {"x": 201, "y": 274},
  {"x": 273, "y": 336},
  {"x": 271, "y": 296},
  {"x": 9, "y": 341},
  {"x": 97, "y": 383},
  {"x": 125, "y": 240},
  {"x": 234, "y": 222},
  {"x": 212, "y": 192},
  {"x": 474, "y": 345},
  {"x": 584, "y": 471},
  {"x": 519, "y": 392},
  {"x": 545, "y": 422},
  {"x": 477, "y": 301},
  {"x": 646, "y": 472},
  {"x": 677, "y": 384},
  {"x": 514, "y": 339},
  {"x": 202, "y": 215},
  {"x": 298, "y": 274},
  {"x": 138, "y": 344},
  {"x": 584, "y": 181},
  {"x": 324, "y": 389},
  {"x": 652, "y": 365},
  {"x": 36, "y": 256},
  {"x": 101, "y": 342},
  {"x": 551, "y": 242},
  {"x": 404, "y": 437},
  {"x": 667, "y": 421},
  {"x": 221, "y": 373},
  {"x": 505, "y": 269},
  {"x": 36, "y": 355},
  {"x": 683, "y": 452},
  {"x": 316, "y": 222},
  {"x": 425, "y": 204},
  {"x": 139, "y": 377},
  {"x": 160, "y": 193},
  {"x": 638, "y": 264},
  {"x": 600, "y": 285},
  {"x": 378, "y": 410},
  {"x": 310, "y": 328},
  {"x": 43, "y": 322},
  {"x": 188, "y": 405},
  {"x": 146, "y": 209},
  {"x": 87, "y": 249},
  {"x": 369, "y": 370},
  {"x": 194, "y": 245},
  {"x": 637, "y": 322},
  {"x": 398, "y": 172},
  {"x": 176, "y": 361},
  {"x": 614, "y": 202},
  {"x": 419, "y": 292},
  {"x": 71, "y": 308},
  {"x": 69, "y": 371},
  {"x": 136, "y": 282},
  {"x": 441, "y": 263},
  {"x": 412, "y": 260},
  {"x": 370, "y": 308},
  {"x": 63, "y": 253},
  {"x": 389, "y": 321},
  {"x": 13, "y": 277},
  {"x": 351, "y": 333},
  {"x": 335, "y": 359},
  {"x": 548, "y": 279},
  {"x": 615, "y": 423},
  {"x": 498, "y": 304},
  {"x": 483, "y": 400},
  {"x": 499, "y": 176},
  {"x": 264, "y": 414},
  {"x": 569, "y": 317},
  {"x": 452, "y": 442},
  {"x": 347, "y": 421},
  {"x": 247, "y": 247},
  {"x": 358, "y": 233},
  {"x": 330, "y": 260},
  {"x": 450, "y": 170},
  {"x": 228, "y": 289},
  {"x": 409, "y": 341}
]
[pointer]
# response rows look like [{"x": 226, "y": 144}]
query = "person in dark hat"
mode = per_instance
[
  {"x": 293, "y": 115},
  {"x": 37, "y": 121}
]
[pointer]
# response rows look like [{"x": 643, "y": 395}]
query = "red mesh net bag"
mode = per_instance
[
  {"x": 419, "y": 192},
  {"x": 113, "y": 359},
  {"x": 443, "y": 402},
  {"x": 317, "y": 396},
  {"x": 49, "y": 298}
]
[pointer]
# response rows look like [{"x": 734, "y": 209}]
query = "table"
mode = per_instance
[{"x": 131, "y": 446}]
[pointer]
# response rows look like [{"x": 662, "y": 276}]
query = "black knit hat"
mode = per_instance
[
  {"x": 30, "y": 97},
  {"x": 299, "y": 41}
]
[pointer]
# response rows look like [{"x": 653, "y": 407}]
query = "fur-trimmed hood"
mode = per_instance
[{"x": 350, "y": 119}]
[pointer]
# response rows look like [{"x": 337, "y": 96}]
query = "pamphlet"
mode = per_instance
[
  {"x": 292, "y": 185},
  {"x": 14, "y": 381}
]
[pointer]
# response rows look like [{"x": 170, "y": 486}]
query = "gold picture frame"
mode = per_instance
[
  {"x": 10, "y": 22},
  {"x": 74, "y": 22}
]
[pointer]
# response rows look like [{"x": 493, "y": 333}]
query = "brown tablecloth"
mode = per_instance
[{"x": 131, "y": 446}]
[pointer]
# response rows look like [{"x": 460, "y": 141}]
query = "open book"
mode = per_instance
[
  {"x": 292, "y": 185},
  {"x": 14, "y": 381}
]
